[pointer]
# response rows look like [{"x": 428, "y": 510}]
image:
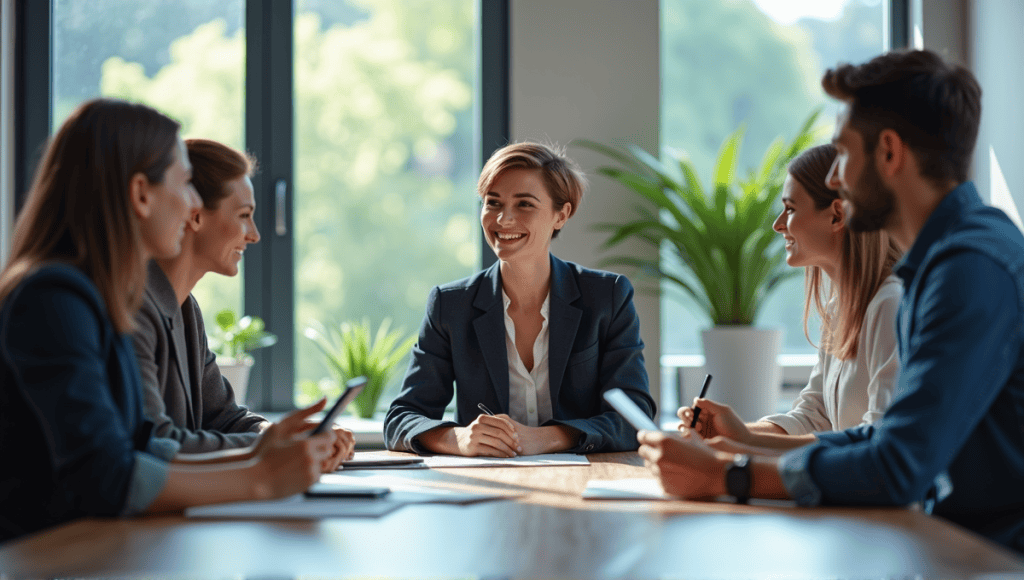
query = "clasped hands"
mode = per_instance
[{"x": 497, "y": 436}]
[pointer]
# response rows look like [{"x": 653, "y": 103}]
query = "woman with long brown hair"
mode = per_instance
[
  {"x": 185, "y": 395},
  {"x": 112, "y": 191},
  {"x": 850, "y": 284}
]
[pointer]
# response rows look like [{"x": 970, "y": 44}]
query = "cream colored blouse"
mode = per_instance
[{"x": 845, "y": 393}]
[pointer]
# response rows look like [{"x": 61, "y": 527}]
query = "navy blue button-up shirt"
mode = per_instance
[{"x": 953, "y": 438}]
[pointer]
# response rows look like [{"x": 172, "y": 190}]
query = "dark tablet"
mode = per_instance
[{"x": 352, "y": 388}]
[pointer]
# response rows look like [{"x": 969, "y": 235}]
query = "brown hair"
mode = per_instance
[
  {"x": 563, "y": 178},
  {"x": 867, "y": 259},
  {"x": 79, "y": 209},
  {"x": 934, "y": 107},
  {"x": 213, "y": 165}
]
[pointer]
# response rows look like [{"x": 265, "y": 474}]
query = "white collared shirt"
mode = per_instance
[{"x": 529, "y": 392}]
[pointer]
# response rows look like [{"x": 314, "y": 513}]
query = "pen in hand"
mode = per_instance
[
  {"x": 696, "y": 409},
  {"x": 484, "y": 408}
]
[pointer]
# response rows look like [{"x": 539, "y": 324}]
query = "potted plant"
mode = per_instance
[
  {"x": 232, "y": 340},
  {"x": 351, "y": 350},
  {"x": 717, "y": 246}
]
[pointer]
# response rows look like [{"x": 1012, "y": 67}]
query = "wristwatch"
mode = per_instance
[{"x": 737, "y": 478}]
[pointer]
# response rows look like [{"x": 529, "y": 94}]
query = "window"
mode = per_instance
[
  {"x": 185, "y": 60},
  {"x": 364, "y": 119},
  {"x": 385, "y": 176}
]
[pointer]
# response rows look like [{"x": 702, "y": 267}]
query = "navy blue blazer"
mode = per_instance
[
  {"x": 594, "y": 338},
  {"x": 71, "y": 419}
]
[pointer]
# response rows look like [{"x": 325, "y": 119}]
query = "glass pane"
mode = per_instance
[
  {"x": 756, "y": 62},
  {"x": 183, "y": 57},
  {"x": 384, "y": 171}
]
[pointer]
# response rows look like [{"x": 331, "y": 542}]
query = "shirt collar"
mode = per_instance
[
  {"x": 963, "y": 198},
  {"x": 506, "y": 301},
  {"x": 159, "y": 287}
]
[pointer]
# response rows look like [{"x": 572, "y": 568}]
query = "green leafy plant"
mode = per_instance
[
  {"x": 235, "y": 337},
  {"x": 716, "y": 245},
  {"x": 351, "y": 350}
]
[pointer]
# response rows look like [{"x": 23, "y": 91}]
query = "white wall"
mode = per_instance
[
  {"x": 987, "y": 36},
  {"x": 996, "y": 51},
  {"x": 590, "y": 69}
]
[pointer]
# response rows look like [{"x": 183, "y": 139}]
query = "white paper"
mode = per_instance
[
  {"x": 635, "y": 488},
  {"x": 297, "y": 507},
  {"x": 545, "y": 460},
  {"x": 412, "y": 490}
]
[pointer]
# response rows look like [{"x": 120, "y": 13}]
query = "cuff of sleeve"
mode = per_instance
[
  {"x": 412, "y": 442},
  {"x": 790, "y": 425},
  {"x": 586, "y": 441},
  {"x": 793, "y": 467},
  {"x": 165, "y": 449},
  {"x": 148, "y": 478}
]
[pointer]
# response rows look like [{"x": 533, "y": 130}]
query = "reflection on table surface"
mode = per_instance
[{"x": 549, "y": 531}]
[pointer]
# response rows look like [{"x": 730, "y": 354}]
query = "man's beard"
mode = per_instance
[{"x": 871, "y": 203}]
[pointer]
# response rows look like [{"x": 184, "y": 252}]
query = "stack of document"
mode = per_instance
[
  {"x": 408, "y": 490},
  {"x": 296, "y": 507},
  {"x": 401, "y": 492},
  {"x": 546, "y": 460}
]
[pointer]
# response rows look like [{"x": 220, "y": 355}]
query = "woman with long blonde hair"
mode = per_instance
[{"x": 850, "y": 284}]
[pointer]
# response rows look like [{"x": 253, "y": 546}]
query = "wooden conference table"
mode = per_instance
[{"x": 549, "y": 531}]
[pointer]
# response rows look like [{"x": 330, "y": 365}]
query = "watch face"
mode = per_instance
[{"x": 737, "y": 478}]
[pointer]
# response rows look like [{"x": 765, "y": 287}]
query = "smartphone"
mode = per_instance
[
  {"x": 333, "y": 490},
  {"x": 352, "y": 389},
  {"x": 628, "y": 409}
]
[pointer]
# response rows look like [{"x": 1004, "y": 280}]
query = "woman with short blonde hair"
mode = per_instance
[{"x": 532, "y": 342}]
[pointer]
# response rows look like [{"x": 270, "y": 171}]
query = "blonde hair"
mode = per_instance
[
  {"x": 79, "y": 210},
  {"x": 867, "y": 259},
  {"x": 562, "y": 177}
]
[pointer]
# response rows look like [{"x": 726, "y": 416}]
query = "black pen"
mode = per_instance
[
  {"x": 703, "y": 393},
  {"x": 484, "y": 409}
]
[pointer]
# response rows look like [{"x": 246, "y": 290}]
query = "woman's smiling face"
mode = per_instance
[
  {"x": 224, "y": 232},
  {"x": 518, "y": 216},
  {"x": 811, "y": 234}
]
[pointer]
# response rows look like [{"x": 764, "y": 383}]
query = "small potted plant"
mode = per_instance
[
  {"x": 351, "y": 350},
  {"x": 232, "y": 340}
]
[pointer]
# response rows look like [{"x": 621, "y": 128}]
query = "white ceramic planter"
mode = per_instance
[
  {"x": 744, "y": 362},
  {"x": 237, "y": 373}
]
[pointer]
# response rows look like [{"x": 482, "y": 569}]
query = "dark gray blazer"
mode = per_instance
[
  {"x": 594, "y": 346},
  {"x": 183, "y": 391}
]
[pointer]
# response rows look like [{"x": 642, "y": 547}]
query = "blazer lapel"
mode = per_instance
[
  {"x": 180, "y": 356},
  {"x": 490, "y": 331},
  {"x": 565, "y": 320},
  {"x": 167, "y": 303}
]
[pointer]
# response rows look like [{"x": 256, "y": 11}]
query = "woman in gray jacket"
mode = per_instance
[{"x": 184, "y": 392}]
